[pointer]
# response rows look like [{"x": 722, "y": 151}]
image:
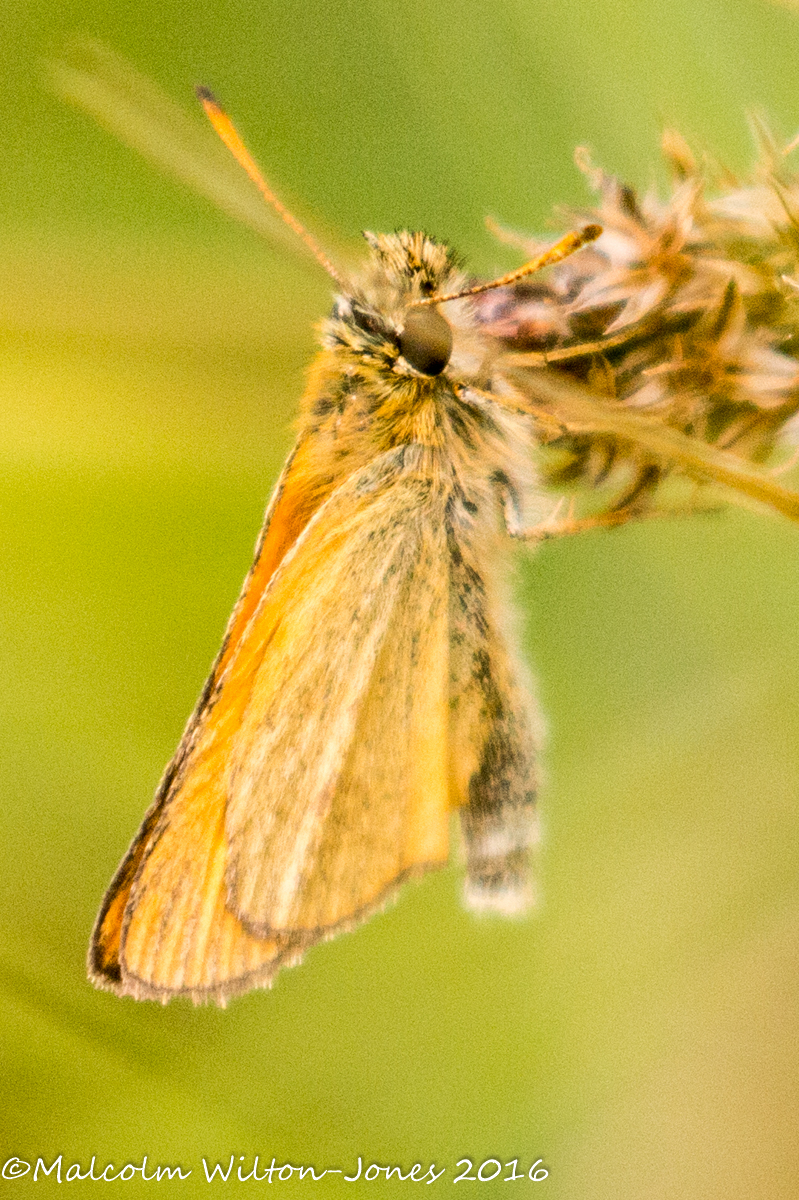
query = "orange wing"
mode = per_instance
[
  {"x": 247, "y": 960},
  {"x": 337, "y": 784},
  {"x": 174, "y": 920}
]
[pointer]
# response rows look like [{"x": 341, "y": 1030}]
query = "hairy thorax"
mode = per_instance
[{"x": 364, "y": 398}]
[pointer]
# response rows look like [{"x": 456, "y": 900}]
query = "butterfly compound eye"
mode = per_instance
[{"x": 426, "y": 340}]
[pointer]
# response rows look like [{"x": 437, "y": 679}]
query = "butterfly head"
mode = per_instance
[{"x": 386, "y": 320}]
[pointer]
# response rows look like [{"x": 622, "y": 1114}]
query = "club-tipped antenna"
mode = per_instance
[
  {"x": 562, "y": 249},
  {"x": 227, "y": 131}
]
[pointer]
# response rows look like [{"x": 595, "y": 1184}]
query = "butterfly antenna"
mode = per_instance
[
  {"x": 562, "y": 249},
  {"x": 227, "y": 131}
]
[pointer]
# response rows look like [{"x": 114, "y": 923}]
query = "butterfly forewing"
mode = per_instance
[{"x": 279, "y": 822}]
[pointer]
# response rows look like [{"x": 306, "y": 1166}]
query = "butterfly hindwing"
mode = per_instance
[{"x": 337, "y": 783}]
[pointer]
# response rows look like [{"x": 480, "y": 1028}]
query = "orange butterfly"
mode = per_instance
[{"x": 367, "y": 684}]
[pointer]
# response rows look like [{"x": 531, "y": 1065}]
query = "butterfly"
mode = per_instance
[{"x": 368, "y": 684}]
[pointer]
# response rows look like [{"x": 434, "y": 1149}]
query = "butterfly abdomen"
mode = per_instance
[{"x": 494, "y": 725}]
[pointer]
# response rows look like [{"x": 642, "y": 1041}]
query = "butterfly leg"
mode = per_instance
[
  {"x": 552, "y": 528},
  {"x": 626, "y": 509}
]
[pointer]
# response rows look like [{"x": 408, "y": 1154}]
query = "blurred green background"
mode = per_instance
[{"x": 641, "y": 1032}]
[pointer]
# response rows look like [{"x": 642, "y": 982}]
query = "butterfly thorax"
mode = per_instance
[
  {"x": 378, "y": 376},
  {"x": 365, "y": 397}
]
